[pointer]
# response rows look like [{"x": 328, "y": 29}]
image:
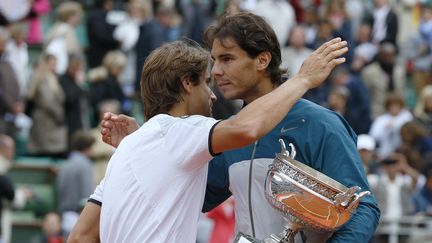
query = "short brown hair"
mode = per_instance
[
  {"x": 394, "y": 98},
  {"x": 163, "y": 72},
  {"x": 253, "y": 34},
  {"x": 82, "y": 140}
]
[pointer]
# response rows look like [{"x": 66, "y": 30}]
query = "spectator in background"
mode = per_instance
[
  {"x": 416, "y": 142},
  {"x": 61, "y": 39},
  {"x": 100, "y": 33},
  {"x": 423, "y": 197},
  {"x": 75, "y": 180},
  {"x": 48, "y": 135},
  {"x": 310, "y": 25},
  {"x": 38, "y": 8},
  {"x": 336, "y": 14},
  {"x": 385, "y": 128},
  {"x": 324, "y": 33},
  {"x": 280, "y": 15},
  {"x": 294, "y": 55},
  {"x": 151, "y": 36},
  {"x": 7, "y": 155},
  {"x": 75, "y": 105},
  {"x": 366, "y": 148},
  {"x": 423, "y": 109},
  {"x": 337, "y": 99},
  {"x": 357, "y": 112},
  {"x": 384, "y": 23},
  {"x": 105, "y": 85},
  {"x": 194, "y": 14},
  {"x": 383, "y": 76},
  {"x": 394, "y": 187},
  {"x": 356, "y": 11},
  {"x": 364, "y": 50},
  {"x": 18, "y": 56},
  {"x": 51, "y": 230},
  {"x": 101, "y": 152},
  {"x": 10, "y": 98},
  {"x": 127, "y": 33},
  {"x": 419, "y": 50},
  {"x": 170, "y": 24}
]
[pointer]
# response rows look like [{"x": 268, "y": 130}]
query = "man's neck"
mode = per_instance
[
  {"x": 179, "y": 109},
  {"x": 263, "y": 87}
]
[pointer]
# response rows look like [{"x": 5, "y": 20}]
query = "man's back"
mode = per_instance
[{"x": 153, "y": 184}]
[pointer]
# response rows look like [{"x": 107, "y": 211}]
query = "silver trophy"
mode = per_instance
[{"x": 307, "y": 198}]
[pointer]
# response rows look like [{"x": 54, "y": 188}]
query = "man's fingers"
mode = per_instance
[
  {"x": 106, "y": 139},
  {"x": 336, "y": 62},
  {"x": 334, "y": 47},
  {"x": 336, "y": 53},
  {"x": 325, "y": 46},
  {"x": 107, "y": 124},
  {"x": 107, "y": 115}
]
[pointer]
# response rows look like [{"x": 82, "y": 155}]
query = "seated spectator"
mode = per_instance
[
  {"x": 51, "y": 230},
  {"x": 366, "y": 148},
  {"x": 386, "y": 127}
]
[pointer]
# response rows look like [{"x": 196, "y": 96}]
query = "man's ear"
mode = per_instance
[
  {"x": 263, "y": 60},
  {"x": 187, "y": 85}
]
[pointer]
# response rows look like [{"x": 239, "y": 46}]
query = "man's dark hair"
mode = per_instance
[
  {"x": 81, "y": 141},
  {"x": 253, "y": 34}
]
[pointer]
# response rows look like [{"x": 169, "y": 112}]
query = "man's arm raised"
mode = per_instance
[{"x": 263, "y": 114}]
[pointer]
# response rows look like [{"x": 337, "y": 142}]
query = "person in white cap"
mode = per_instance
[{"x": 366, "y": 147}]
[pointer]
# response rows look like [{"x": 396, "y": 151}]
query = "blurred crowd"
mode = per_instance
[{"x": 89, "y": 55}]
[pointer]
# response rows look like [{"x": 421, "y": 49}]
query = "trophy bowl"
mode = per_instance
[{"x": 307, "y": 198}]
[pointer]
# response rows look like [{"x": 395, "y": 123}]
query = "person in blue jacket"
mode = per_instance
[{"x": 322, "y": 138}]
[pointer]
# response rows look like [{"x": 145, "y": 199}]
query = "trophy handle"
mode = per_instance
[
  {"x": 356, "y": 200},
  {"x": 285, "y": 152}
]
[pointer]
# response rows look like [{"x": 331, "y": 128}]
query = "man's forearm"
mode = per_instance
[
  {"x": 86, "y": 230},
  {"x": 361, "y": 227}
]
